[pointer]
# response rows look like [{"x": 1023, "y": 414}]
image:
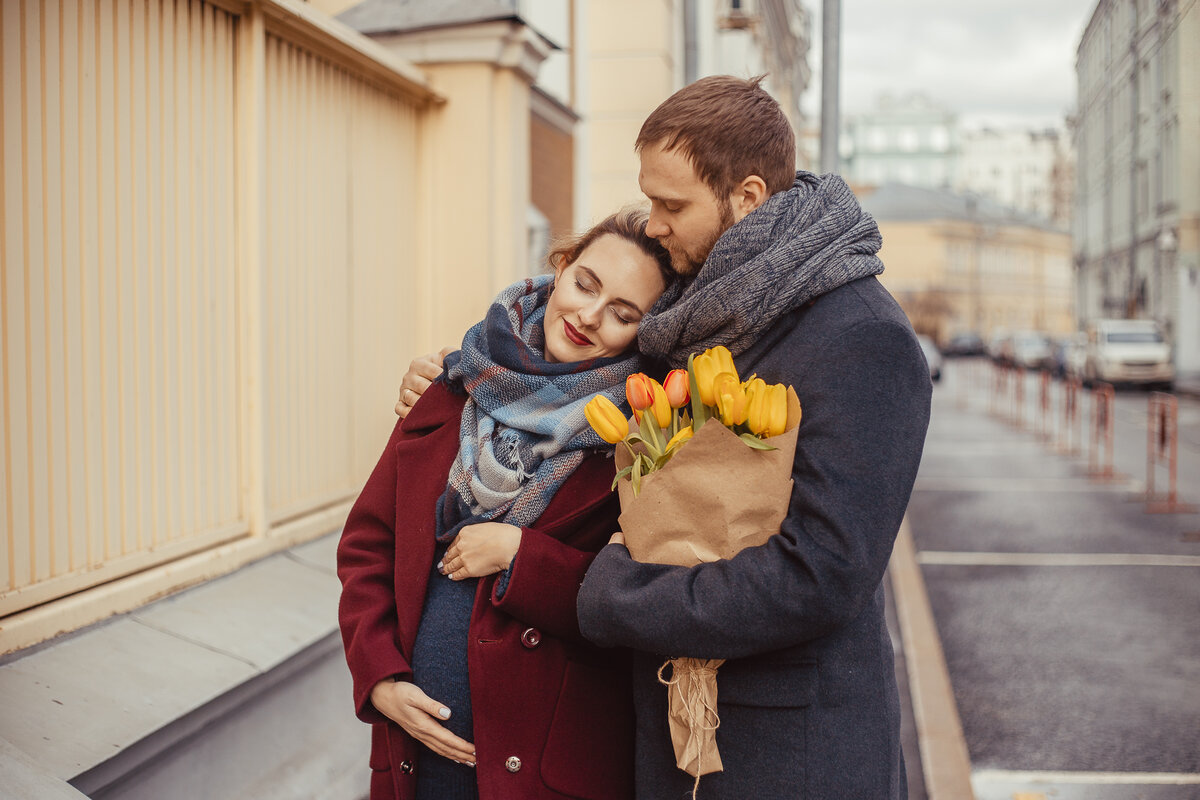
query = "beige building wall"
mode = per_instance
[
  {"x": 630, "y": 67},
  {"x": 952, "y": 276},
  {"x": 227, "y": 226}
]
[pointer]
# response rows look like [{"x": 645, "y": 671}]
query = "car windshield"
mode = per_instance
[{"x": 1134, "y": 337}]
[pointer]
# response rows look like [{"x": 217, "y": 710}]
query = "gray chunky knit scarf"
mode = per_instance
[{"x": 798, "y": 245}]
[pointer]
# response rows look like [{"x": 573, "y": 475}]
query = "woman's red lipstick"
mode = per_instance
[{"x": 575, "y": 336}]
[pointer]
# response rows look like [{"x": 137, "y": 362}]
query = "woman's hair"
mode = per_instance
[
  {"x": 630, "y": 225},
  {"x": 729, "y": 128}
]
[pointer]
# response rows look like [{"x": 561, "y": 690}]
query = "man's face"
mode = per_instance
[{"x": 685, "y": 215}]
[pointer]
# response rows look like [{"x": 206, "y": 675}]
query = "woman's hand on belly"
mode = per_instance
[
  {"x": 420, "y": 716},
  {"x": 479, "y": 550}
]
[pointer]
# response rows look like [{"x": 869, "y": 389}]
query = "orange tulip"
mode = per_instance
[
  {"x": 640, "y": 393},
  {"x": 676, "y": 386},
  {"x": 606, "y": 419}
]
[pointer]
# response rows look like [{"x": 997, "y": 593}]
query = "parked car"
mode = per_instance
[
  {"x": 965, "y": 344},
  {"x": 1027, "y": 350},
  {"x": 932, "y": 355},
  {"x": 1070, "y": 354},
  {"x": 1128, "y": 351},
  {"x": 997, "y": 343}
]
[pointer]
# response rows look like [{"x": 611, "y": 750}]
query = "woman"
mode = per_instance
[{"x": 461, "y": 559}]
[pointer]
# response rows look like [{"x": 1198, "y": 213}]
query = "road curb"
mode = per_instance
[{"x": 945, "y": 762}]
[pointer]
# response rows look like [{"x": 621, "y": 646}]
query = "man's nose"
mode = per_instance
[{"x": 655, "y": 227}]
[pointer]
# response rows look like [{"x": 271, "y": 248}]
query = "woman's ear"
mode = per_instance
[
  {"x": 558, "y": 271},
  {"x": 747, "y": 196}
]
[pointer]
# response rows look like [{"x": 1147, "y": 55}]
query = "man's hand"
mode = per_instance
[
  {"x": 423, "y": 371},
  {"x": 419, "y": 715},
  {"x": 481, "y": 549}
]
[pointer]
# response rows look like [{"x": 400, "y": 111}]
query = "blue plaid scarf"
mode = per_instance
[{"x": 523, "y": 431}]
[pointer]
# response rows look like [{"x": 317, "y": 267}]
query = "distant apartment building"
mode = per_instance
[
  {"x": 1136, "y": 220},
  {"x": 959, "y": 263},
  {"x": 1026, "y": 170},
  {"x": 905, "y": 139}
]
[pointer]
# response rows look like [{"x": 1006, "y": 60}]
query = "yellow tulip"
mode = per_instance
[
  {"x": 661, "y": 408},
  {"x": 731, "y": 399},
  {"x": 723, "y": 359},
  {"x": 704, "y": 367},
  {"x": 679, "y": 438},
  {"x": 606, "y": 419},
  {"x": 777, "y": 409},
  {"x": 757, "y": 414}
]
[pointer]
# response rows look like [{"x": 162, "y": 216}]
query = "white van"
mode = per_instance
[{"x": 1128, "y": 351}]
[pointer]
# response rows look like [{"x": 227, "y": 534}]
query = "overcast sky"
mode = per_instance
[{"x": 998, "y": 63}]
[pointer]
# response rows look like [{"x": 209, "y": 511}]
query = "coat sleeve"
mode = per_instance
[
  {"x": 366, "y": 567},
  {"x": 544, "y": 579},
  {"x": 866, "y": 410}
]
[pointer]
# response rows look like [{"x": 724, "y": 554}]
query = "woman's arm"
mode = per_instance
[{"x": 366, "y": 566}]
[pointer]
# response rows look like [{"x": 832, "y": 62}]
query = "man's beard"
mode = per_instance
[{"x": 688, "y": 264}]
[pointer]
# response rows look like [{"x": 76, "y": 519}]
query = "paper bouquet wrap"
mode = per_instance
[{"x": 713, "y": 498}]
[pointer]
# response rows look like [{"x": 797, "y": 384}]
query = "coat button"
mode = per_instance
[
  {"x": 406, "y": 767},
  {"x": 513, "y": 764},
  {"x": 531, "y": 638}
]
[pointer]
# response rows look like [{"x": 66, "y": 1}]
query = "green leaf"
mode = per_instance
[
  {"x": 756, "y": 443},
  {"x": 636, "y": 476},
  {"x": 620, "y": 475},
  {"x": 699, "y": 411},
  {"x": 651, "y": 435}
]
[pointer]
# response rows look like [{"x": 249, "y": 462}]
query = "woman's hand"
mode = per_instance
[
  {"x": 420, "y": 716},
  {"x": 423, "y": 371},
  {"x": 480, "y": 550}
]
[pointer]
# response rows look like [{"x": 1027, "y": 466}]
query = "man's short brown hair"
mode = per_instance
[{"x": 730, "y": 129}]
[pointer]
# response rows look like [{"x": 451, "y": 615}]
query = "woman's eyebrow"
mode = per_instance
[{"x": 620, "y": 300}]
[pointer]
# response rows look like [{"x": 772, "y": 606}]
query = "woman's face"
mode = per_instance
[{"x": 599, "y": 299}]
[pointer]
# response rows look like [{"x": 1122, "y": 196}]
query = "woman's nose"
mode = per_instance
[{"x": 590, "y": 315}]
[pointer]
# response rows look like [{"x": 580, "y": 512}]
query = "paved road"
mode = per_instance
[{"x": 1070, "y": 617}]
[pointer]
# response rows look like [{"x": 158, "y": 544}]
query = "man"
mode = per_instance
[{"x": 782, "y": 268}]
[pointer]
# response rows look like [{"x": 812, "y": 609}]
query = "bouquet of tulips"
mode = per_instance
[{"x": 708, "y": 462}]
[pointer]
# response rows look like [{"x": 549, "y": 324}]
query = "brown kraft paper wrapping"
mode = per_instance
[{"x": 714, "y": 497}]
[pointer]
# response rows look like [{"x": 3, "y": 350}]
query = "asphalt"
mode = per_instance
[{"x": 1069, "y": 680}]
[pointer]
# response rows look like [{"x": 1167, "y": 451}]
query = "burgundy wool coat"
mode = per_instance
[{"x": 553, "y": 714}]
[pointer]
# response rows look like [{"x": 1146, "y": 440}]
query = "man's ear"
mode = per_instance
[{"x": 747, "y": 196}]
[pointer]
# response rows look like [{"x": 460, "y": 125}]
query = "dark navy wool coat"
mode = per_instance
[
  {"x": 807, "y": 700},
  {"x": 539, "y": 691}
]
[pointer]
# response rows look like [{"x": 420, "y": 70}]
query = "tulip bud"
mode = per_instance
[
  {"x": 661, "y": 407},
  {"x": 679, "y": 438},
  {"x": 606, "y": 419},
  {"x": 676, "y": 386},
  {"x": 731, "y": 399},
  {"x": 705, "y": 369}
]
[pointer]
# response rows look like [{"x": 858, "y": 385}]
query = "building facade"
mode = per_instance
[
  {"x": 905, "y": 139},
  {"x": 959, "y": 263},
  {"x": 1137, "y": 208},
  {"x": 1026, "y": 170}
]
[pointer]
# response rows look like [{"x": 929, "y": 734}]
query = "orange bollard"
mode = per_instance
[
  {"x": 1069, "y": 441},
  {"x": 1018, "y": 399},
  {"x": 1100, "y": 465},
  {"x": 1044, "y": 405},
  {"x": 1162, "y": 449}
]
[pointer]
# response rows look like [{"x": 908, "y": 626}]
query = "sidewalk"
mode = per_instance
[{"x": 1059, "y": 606}]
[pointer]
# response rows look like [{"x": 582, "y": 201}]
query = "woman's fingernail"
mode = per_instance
[
  {"x": 439, "y": 566},
  {"x": 444, "y": 712}
]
